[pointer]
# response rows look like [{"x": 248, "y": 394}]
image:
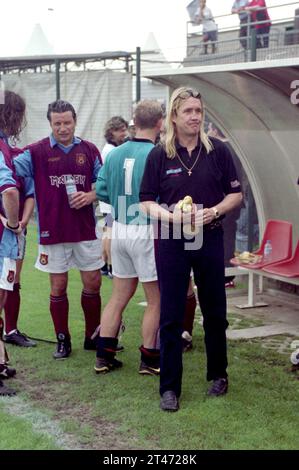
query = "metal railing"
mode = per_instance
[
  {"x": 281, "y": 45},
  {"x": 282, "y": 41},
  {"x": 233, "y": 15}
]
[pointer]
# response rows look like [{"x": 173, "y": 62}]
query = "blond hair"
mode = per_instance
[
  {"x": 177, "y": 97},
  {"x": 147, "y": 114}
]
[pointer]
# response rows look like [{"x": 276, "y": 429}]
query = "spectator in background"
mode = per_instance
[
  {"x": 238, "y": 7},
  {"x": 204, "y": 16},
  {"x": 116, "y": 131},
  {"x": 247, "y": 237},
  {"x": 261, "y": 19}
]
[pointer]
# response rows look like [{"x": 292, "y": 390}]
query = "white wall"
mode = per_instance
[{"x": 96, "y": 96}]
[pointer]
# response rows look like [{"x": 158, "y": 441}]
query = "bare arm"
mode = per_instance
[
  {"x": 27, "y": 212},
  {"x": 155, "y": 211},
  {"x": 10, "y": 199},
  {"x": 259, "y": 6},
  {"x": 199, "y": 217},
  {"x": 230, "y": 201},
  {"x": 238, "y": 10}
]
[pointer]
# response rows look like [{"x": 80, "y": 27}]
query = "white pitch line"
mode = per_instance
[{"x": 40, "y": 422}]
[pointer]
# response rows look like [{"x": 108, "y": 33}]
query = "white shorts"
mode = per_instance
[
  {"x": 61, "y": 257},
  {"x": 7, "y": 273},
  {"x": 132, "y": 252}
]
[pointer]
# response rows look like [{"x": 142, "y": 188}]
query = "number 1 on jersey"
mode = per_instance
[{"x": 128, "y": 167}]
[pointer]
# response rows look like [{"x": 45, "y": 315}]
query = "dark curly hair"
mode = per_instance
[
  {"x": 12, "y": 115},
  {"x": 114, "y": 124}
]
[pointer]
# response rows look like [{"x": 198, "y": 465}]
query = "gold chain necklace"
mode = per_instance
[{"x": 189, "y": 170}]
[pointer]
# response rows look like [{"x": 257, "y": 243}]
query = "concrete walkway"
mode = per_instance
[{"x": 281, "y": 316}]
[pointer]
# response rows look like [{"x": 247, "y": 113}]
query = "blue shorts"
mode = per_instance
[{"x": 210, "y": 36}]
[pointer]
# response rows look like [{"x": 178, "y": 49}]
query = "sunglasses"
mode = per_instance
[{"x": 189, "y": 93}]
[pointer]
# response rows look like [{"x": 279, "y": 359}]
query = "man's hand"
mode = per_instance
[
  {"x": 191, "y": 217},
  {"x": 81, "y": 199},
  {"x": 208, "y": 216},
  {"x": 5, "y": 222},
  {"x": 198, "y": 217},
  {"x": 23, "y": 224}
]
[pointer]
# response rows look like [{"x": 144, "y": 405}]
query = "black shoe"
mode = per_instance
[
  {"x": 105, "y": 270},
  {"x": 110, "y": 275},
  {"x": 169, "y": 401},
  {"x": 103, "y": 365},
  {"x": 90, "y": 344},
  {"x": 19, "y": 339},
  {"x": 144, "y": 369},
  {"x": 218, "y": 388},
  {"x": 6, "y": 372},
  {"x": 64, "y": 347},
  {"x": 5, "y": 391}
]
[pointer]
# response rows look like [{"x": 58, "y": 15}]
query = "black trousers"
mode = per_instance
[
  {"x": 174, "y": 265},
  {"x": 262, "y": 37}
]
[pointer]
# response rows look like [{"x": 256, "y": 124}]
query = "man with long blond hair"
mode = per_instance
[{"x": 188, "y": 163}]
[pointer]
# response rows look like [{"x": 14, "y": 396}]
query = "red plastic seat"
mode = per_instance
[
  {"x": 280, "y": 234},
  {"x": 288, "y": 268}
]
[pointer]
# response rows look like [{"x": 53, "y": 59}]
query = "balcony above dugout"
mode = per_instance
[{"x": 283, "y": 40}]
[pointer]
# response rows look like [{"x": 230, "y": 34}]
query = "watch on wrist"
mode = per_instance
[{"x": 216, "y": 212}]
